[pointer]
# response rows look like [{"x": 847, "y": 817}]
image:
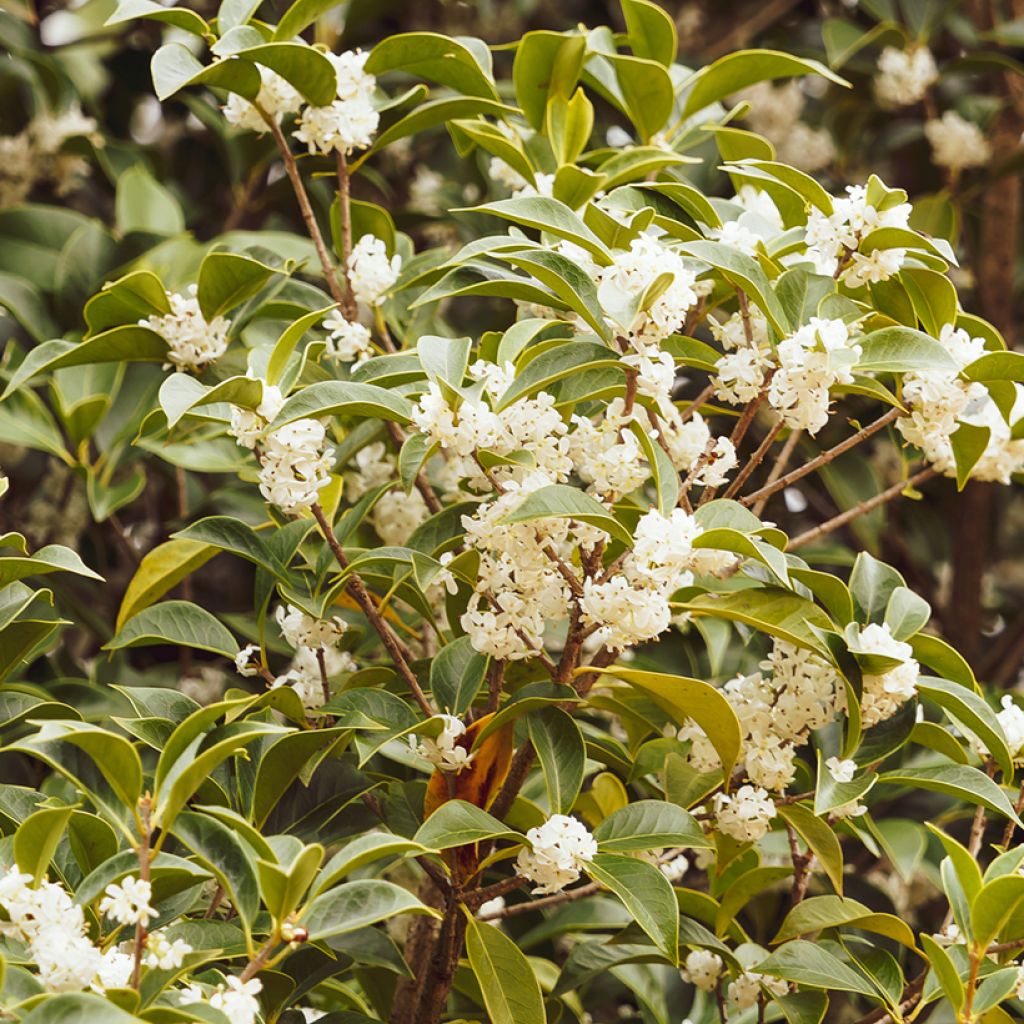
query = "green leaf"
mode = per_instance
[
  {"x": 36, "y": 839},
  {"x": 906, "y": 613},
  {"x": 818, "y": 912},
  {"x": 286, "y": 343},
  {"x": 344, "y": 398},
  {"x": 433, "y": 57},
  {"x": 744, "y": 272},
  {"x": 284, "y": 762},
  {"x": 509, "y": 987},
  {"x": 143, "y": 204},
  {"x": 174, "y": 68},
  {"x": 546, "y": 64},
  {"x": 994, "y": 906},
  {"x": 776, "y": 612},
  {"x": 543, "y": 213},
  {"x": 457, "y": 823},
  {"x": 945, "y": 970},
  {"x": 969, "y": 443},
  {"x": 561, "y": 501},
  {"x": 456, "y": 675},
  {"x": 305, "y": 67},
  {"x": 556, "y": 364},
  {"x": 650, "y": 31},
  {"x": 562, "y": 754},
  {"x": 116, "y": 758},
  {"x": 973, "y": 712},
  {"x": 78, "y": 1008},
  {"x": 960, "y": 781},
  {"x": 230, "y": 534},
  {"x": 694, "y": 699},
  {"x": 646, "y": 893},
  {"x": 363, "y": 850},
  {"x": 568, "y": 125},
  {"x": 161, "y": 569},
  {"x": 135, "y": 296},
  {"x": 647, "y": 92},
  {"x": 175, "y": 622},
  {"x": 736, "y": 71},
  {"x": 356, "y": 905},
  {"x": 819, "y": 837},
  {"x": 52, "y": 558},
  {"x": 808, "y": 964},
  {"x": 899, "y": 349},
  {"x": 648, "y": 825},
  {"x": 218, "y": 849},
  {"x": 180, "y": 17},
  {"x": 226, "y": 280}
]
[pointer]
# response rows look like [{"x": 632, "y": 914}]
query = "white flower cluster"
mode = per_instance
[
  {"x": 247, "y": 425},
  {"x": 812, "y": 360},
  {"x": 775, "y": 113},
  {"x": 192, "y": 342},
  {"x": 1011, "y": 719},
  {"x": 445, "y": 751},
  {"x": 350, "y": 121},
  {"x": 127, "y": 902},
  {"x": 795, "y": 693},
  {"x": 633, "y": 607},
  {"x": 312, "y": 639},
  {"x": 53, "y": 926},
  {"x": 370, "y": 270},
  {"x": 885, "y": 692},
  {"x": 702, "y": 968},
  {"x": 164, "y": 954},
  {"x": 745, "y": 990},
  {"x": 746, "y": 815},
  {"x": 632, "y": 273},
  {"x": 833, "y": 239},
  {"x": 904, "y": 76},
  {"x": 956, "y": 142},
  {"x": 295, "y": 464},
  {"x": 347, "y": 341},
  {"x": 34, "y": 156},
  {"x": 558, "y": 852},
  {"x": 941, "y": 400},
  {"x": 276, "y": 98},
  {"x": 236, "y": 999}
]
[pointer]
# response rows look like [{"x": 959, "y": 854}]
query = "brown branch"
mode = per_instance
[
  {"x": 400, "y": 654},
  {"x": 754, "y": 461},
  {"x": 861, "y": 508},
  {"x": 824, "y": 458},
  {"x": 349, "y": 307},
  {"x": 779, "y": 467},
  {"x": 145, "y": 857},
  {"x": 305, "y": 207},
  {"x": 544, "y": 902}
]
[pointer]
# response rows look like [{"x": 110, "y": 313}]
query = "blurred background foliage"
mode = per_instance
[{"x": 97, "y": 176}]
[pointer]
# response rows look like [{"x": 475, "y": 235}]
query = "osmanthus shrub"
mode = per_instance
[{"x": 457, "y": 778}]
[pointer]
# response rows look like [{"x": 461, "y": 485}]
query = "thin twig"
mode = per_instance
[
  {"x": 754, "y": 461},
  {"x": 824, "y": 458},
  {"x": 861, "y": 508},
  {"x": 779, "y": 467},
  {"x": 400, "y": 655}
]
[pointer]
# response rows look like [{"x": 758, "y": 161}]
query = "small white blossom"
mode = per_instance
[
  {"x": 237, "y": 1000},
  {"x": 703, "y": 969},
  {"x": 956, "y": 142},
  {"x": 347, "y": 341},
  {"x": 164, "y": 954},
  {"x": 489, "y": 907},
  {"x": 370, "y": 270},
  {"x": 339, "y": 127},
  {"x": 444, "y": 750},
  {"x": 904, "y": 76},
  {"x": 128, "y": 902},
  {"x": 192, "y": 342},
  {"x": 885, "y": 692},
  {"x": 247, "y": 661},
  {"x": 745, "y": 990},
  {"x": 295, "y": 464},
  {"x": 557, "y": 853},
  {"x": 302, "y": 630},
  {"x": 841, "y": 769},
  {"x": 746, "y": 815}
]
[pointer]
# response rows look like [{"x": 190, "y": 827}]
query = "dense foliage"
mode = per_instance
[{"x": 464, "y": 594}]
